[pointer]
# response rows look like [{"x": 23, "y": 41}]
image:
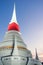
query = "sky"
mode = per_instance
[{"x": 30, "y": 18}]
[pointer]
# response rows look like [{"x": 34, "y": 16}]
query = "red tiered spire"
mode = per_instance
[{"x": 13, "y": 25}]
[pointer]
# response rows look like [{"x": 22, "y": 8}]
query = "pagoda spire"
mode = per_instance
[
  {"x": 13, "y": 25},
  {"x": 14, "y": 18},
  {"x": 36, "y": 55}
]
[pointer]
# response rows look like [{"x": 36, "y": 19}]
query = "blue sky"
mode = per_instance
[{"x": 30, "y": 18}]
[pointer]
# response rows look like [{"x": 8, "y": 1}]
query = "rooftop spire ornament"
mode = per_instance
[{"x": 13, "y": 25}]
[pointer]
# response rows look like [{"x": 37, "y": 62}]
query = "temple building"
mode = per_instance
[{"x": 13, "y": 50}]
